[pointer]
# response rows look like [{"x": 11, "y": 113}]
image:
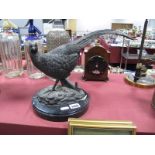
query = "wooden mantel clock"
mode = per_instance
[{"x": 96, "y": 63}]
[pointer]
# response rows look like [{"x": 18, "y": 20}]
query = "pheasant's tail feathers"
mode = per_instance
[{"x": 82, "y": 42}]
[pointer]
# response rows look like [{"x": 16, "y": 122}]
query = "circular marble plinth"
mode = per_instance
[
  {"x": 143, "y": 82},
  {"x": 60, "y": 104}
]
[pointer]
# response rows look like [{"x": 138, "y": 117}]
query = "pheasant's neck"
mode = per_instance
[{"x": 35, "y": 58}]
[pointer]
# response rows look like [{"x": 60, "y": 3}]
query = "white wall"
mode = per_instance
[
  {"x": 152, "y": 23},
  {"x": 85, "y": 25}
]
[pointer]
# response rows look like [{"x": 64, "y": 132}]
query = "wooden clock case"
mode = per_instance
[{"x": 99, "y": 58}]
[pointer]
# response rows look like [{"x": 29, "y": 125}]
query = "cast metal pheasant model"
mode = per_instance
[{"x": 59, "y": 62}]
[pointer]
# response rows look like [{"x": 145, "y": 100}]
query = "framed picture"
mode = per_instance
[
  {"x": 95, "y": 127},
  {"x": 116, "y": 26}
]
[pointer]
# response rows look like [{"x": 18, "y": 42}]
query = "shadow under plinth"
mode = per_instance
[{"x": 60, "y": 104}]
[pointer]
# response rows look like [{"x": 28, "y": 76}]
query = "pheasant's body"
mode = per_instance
[{"x": 57, "y": 63}]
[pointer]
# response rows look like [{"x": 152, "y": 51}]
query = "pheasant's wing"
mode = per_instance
[
  {"x": 58, "y": 65},
  {"x": 66, "y": 62}
]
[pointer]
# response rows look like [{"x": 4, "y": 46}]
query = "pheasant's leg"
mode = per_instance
[
  {"x": 56, "y": 82},
  {"x": 66, "y": 83}
]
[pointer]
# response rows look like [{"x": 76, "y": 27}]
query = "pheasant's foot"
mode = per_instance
[
  {"x": 56, "y": 82},
  {"x": 66, "y": 83}
]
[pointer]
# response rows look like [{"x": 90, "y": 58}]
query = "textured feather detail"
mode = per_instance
[{"x": 57, "y": 65}]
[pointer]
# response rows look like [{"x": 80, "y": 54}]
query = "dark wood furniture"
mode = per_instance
[{"x": 96, "y": 63}]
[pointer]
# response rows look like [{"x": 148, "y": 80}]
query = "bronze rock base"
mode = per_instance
[{"x": 60, "y": 104}]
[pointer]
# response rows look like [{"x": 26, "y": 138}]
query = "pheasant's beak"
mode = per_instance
[{"x": 33, "y": 48}]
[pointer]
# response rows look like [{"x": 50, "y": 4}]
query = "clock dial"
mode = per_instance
[{"x": 96, "y": 65}]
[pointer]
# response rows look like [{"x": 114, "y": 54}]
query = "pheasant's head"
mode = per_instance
[{"x": 33, "y": 48}]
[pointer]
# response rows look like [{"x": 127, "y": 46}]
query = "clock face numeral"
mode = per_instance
[{"x": 96, "y": 65}]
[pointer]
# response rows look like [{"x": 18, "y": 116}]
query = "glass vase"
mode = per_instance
[
  {"x": 32, "y": 71},
  {"x": 11, "y": 54}
]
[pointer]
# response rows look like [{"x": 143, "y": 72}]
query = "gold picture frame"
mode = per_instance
[
  {"x": 116, "y": 26},
  {"x": 96, "y": 127}
]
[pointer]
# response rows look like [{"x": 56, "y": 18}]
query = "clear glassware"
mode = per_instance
[
  {"x": 1, "y": 67},
  {"x": 32, "y": 71},
  {"x": 11, "y": 54}
]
